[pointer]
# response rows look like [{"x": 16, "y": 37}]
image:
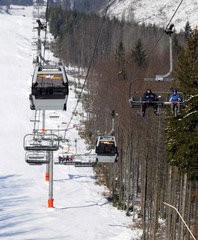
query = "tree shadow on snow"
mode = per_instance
[
  {"x": 73, "y": 177},
  {"x": 14, "y": 213},
  {"x": 118, "y": 225},
  {"x": 85, "y": 206}
]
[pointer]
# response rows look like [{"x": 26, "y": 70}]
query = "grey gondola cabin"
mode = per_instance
[
  {"x": 49, "y": 88},
  {"x": 106, "y": 149}
]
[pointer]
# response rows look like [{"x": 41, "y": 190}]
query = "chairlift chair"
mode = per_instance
[
  {"x": 39, "y": 142},
  {"x": 162, "y": 101},
  {"x": 54, "y": 115},
  {"x": 106, "y": 149},
  {"x": 65, "y": 158},
  {"x": 49, "y": 88},
  {"x": 86, "y": 164},
  {"x": 36, "y": 158}
]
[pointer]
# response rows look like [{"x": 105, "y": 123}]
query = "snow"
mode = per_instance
[
  {"x": 156, "y": 12},
  {"x": 80, "y": 209}
]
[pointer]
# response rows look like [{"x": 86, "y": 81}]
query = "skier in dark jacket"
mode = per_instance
[
  {"x": 149, "y": 99},
  {"x": 60, "y": 159},
  {"x": 175, "y": 100}
]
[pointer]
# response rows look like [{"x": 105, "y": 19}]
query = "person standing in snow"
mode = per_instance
[{"x": 175, "y": 100}]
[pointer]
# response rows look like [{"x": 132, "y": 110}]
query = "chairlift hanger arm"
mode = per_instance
[
  {"x": 112, "y": 132},
  {"x": 169, "y": 31}
]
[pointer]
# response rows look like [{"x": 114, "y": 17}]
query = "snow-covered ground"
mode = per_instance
[
  {"x": 156, "y": 12},
  {"x": 80, "y": 210}
]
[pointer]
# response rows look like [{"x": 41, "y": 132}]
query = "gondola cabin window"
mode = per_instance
[
  {"x": 106, "y": 148},
  {"x": 49, "y": 80}
]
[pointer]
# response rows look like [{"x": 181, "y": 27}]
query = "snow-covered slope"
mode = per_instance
[
  {"x": 158, "y": 12},
  {"x": 81, "y": 211}
]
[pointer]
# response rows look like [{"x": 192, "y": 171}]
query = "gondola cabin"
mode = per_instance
[
  {"x": 49, "y": 88},
  {"x": 106, "y": 149}
]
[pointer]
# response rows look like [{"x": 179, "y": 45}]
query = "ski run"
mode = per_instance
[{"x": 81, "y": 211}]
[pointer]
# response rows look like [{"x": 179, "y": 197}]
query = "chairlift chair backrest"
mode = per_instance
[{"x": 40, "y": 142}]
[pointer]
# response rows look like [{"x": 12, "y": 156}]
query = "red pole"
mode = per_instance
[
  {"x": 47, "y": 177},
  {"x": 50, "y": 203}
]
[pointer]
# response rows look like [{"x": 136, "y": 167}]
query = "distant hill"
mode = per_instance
[
  {"x": 81, "y": 5},
  {"x": 156, "y": 12},
  {"x": 142, "y": 11}
]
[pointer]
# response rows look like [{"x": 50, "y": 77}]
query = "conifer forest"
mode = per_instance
[{"x": 158, "y": 155}]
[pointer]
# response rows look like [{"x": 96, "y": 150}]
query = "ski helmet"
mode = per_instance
[{"x": 174, "y": 90}]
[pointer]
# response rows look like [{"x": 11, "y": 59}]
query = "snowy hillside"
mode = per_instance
[
  {"x": 156, "y": 12},
  {"x": 81, "y": 211}
]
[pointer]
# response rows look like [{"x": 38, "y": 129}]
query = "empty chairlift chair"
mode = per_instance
[
  {"x": 106, "y": 149},
  {"x": 39, "y": 142},
  {"x": 49, "y": 88}
]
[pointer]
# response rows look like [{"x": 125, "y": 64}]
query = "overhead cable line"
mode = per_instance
[
  {"x": 151, "y": 51},
  {"x": 174, "y": 13},
  {"x": 46, "y": 22},
  {"x": 90, "y": 64}
]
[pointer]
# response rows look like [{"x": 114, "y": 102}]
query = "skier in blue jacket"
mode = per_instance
[{"x": 175, "y": 100}]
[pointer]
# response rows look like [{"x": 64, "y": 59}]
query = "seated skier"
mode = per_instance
[
  {"x": 67, "y": 159},
  {"x": 149, "y": 99},
  {"x": 63, "y": 159},
  {"x": 60, "y": 159},
  {"x": 175, "y": 101}
]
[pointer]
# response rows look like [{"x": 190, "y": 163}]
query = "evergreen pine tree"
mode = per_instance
[
  {"x": 7, "y": 8},
  {"x": 187, "y": 30},
  {"x": 176, "y": 46},
  {"x": 139, "y": 54},
  {"x": 182, "y": 132},
  {"x": 39, "y": 2},
  {"x": 187, "y": 67},
  {"x": 120, "y": 54},
  {"x": 120, "y": 60},
  {"x": 86, "y": 5}
]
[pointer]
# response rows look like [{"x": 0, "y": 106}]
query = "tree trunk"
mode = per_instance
[
  {"x": 168, "y": 210},
  {"x": 156, "y": 186},
  {"x": 129, "y": 174},
  {"x": 174, "y": 202},
  {"x": 180, "y": 206},
  {"x": 183, "y": 205},
  {"x": 188, "y": 209},
  {"x": 196, "y": 211},
  {"x": 145, "y": 199}
]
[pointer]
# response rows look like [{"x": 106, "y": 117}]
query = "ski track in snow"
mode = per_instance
[{"x": 81, "y": 211}]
